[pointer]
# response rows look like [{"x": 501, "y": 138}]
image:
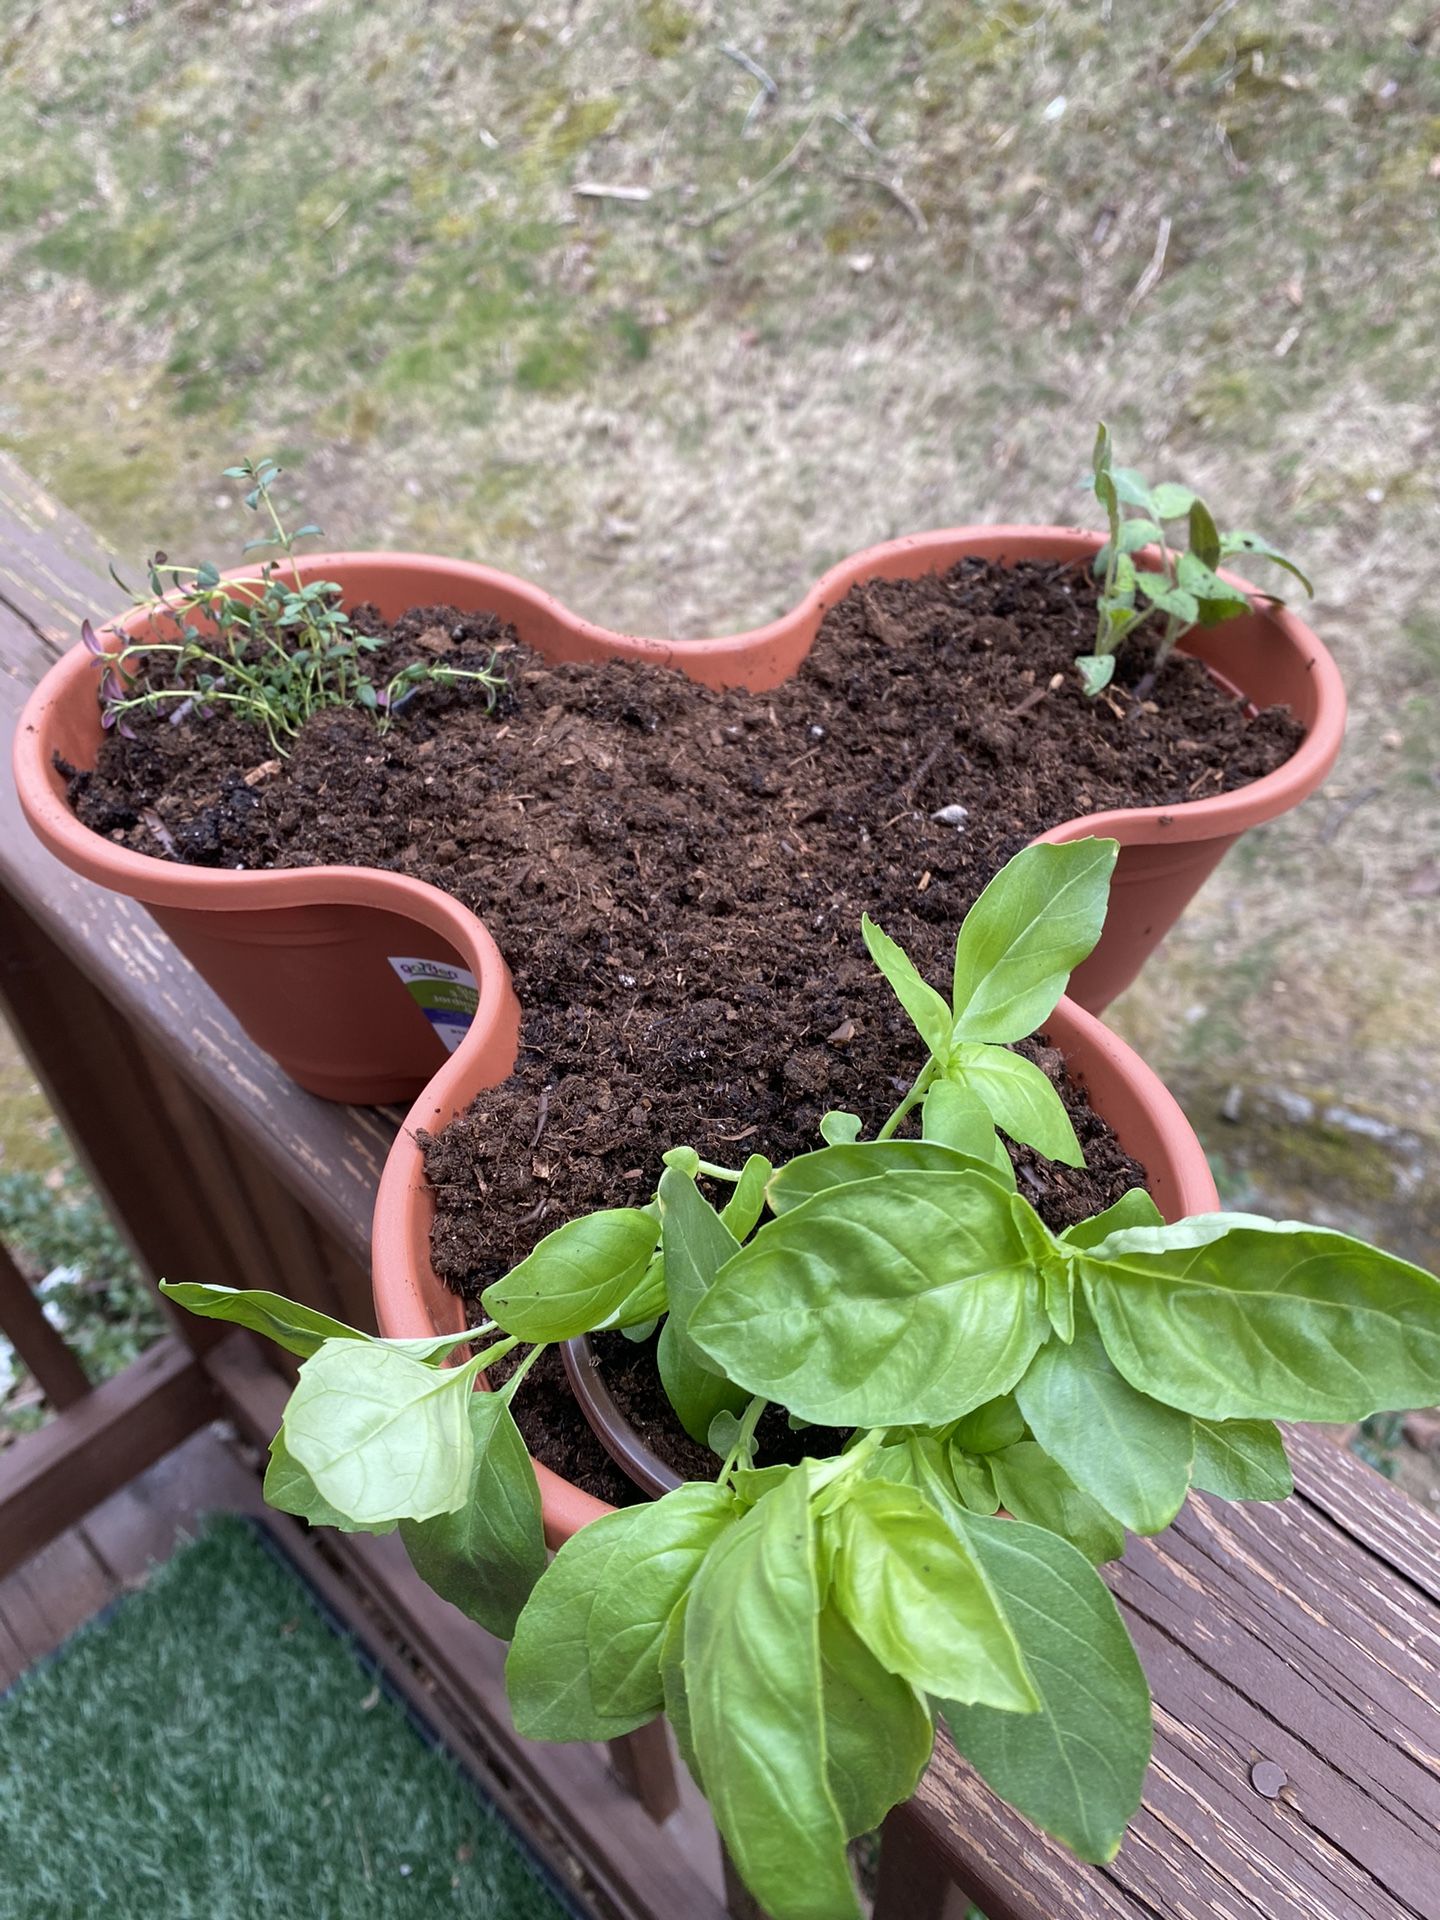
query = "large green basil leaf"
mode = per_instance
[
  {"x": 298, "y": 1329},
  {"x": 1129, "y": 1452},
  {"x": 1241, "y": 1460},
  {"x": 1132, "y": 1209},
  {"x": 807, "y": 1174},
  {"x": 1077, "y": 1766},
  {"x": 289, "y": 1488},
  {"x": 924, "y": 1005},
  {"x": 957, "y": 1117},
  {"x": 639, "y": 1588},
  {"x": 486, "y": 1556},
  {"x": 1038, "y": 918},
  {"x": 920, "y": 1601},
  {"x": 878, "y": 1731},
  {"x": 1022, "y": 1100},
  {"x": 1036, "y": 1488},
  {"x": 696, "y": 1244},
  {"x": 747, "y": 1201},
  {"x": 1233, "y": 1317},
  {"x": 578, "y": 1277},
  {"x": 548, "y": 1672},
  {"x": 383, "y": 1437},
  {"x": 905, "y": 1300},
  {"x": 757, "y": 1717}
]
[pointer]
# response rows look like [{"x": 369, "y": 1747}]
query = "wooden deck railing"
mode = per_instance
[{"x": 1293, "y": 1651}]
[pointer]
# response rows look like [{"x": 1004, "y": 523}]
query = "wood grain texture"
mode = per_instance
[
  {"x": 193, "y": 1195},
  {"x": 645, "y": 1767},
  {"x": 1371, "y": 1510},
  {"x": 113, "y": 1548},
  {"x": 51, "y": 565},
  {"x": 1268, "y": 1634},
  {"x": 56, "y": 1591},
  {"x": 13, "y": 1658},
  {"x": 914, "y": 1880}
]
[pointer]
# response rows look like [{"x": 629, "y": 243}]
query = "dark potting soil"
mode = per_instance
[{"x": 676, "y": 876}]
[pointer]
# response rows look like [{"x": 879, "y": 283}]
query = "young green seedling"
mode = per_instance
[
  {"x": 273, "y": 649},
  {"x": 1035, "y": 922},
  {"x": 1184, "y": 591}
]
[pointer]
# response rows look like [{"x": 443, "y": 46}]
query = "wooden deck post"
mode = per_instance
[
  {"x": 644, "y": 1765},
  {"x": 23, "y": 1322},
  {"x": 914, "y": 1883}
]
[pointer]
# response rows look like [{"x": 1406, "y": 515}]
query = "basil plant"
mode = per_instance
[{"x": 1016, "y": 1400}]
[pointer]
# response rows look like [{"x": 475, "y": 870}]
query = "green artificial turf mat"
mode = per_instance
[{"x": 211, "y": 1749}]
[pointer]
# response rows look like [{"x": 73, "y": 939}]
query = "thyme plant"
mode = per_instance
[{"x": 273, "y": 647}]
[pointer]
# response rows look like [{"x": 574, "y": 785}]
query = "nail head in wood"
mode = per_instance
[{"x": 1268, "y": 1779}]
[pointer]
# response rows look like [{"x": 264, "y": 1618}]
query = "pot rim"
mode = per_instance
[
  {"x": 786, "y": 639},
  {"x": 608, "y": 1423},
  {"x": 1186, "y": 1188}
]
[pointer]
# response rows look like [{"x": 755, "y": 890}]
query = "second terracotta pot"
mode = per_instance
[{"x": 412, "y": 1302}]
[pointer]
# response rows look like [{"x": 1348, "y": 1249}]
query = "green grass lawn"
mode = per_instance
[{"x": 211, "y": 1750}]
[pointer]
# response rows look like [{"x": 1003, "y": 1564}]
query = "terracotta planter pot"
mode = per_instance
[
  {"x": 410, "y": 1302},
  {"x": 304, "y": 959}
]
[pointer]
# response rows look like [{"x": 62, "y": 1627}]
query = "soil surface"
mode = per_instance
[{"x": 676, "y": 876}]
